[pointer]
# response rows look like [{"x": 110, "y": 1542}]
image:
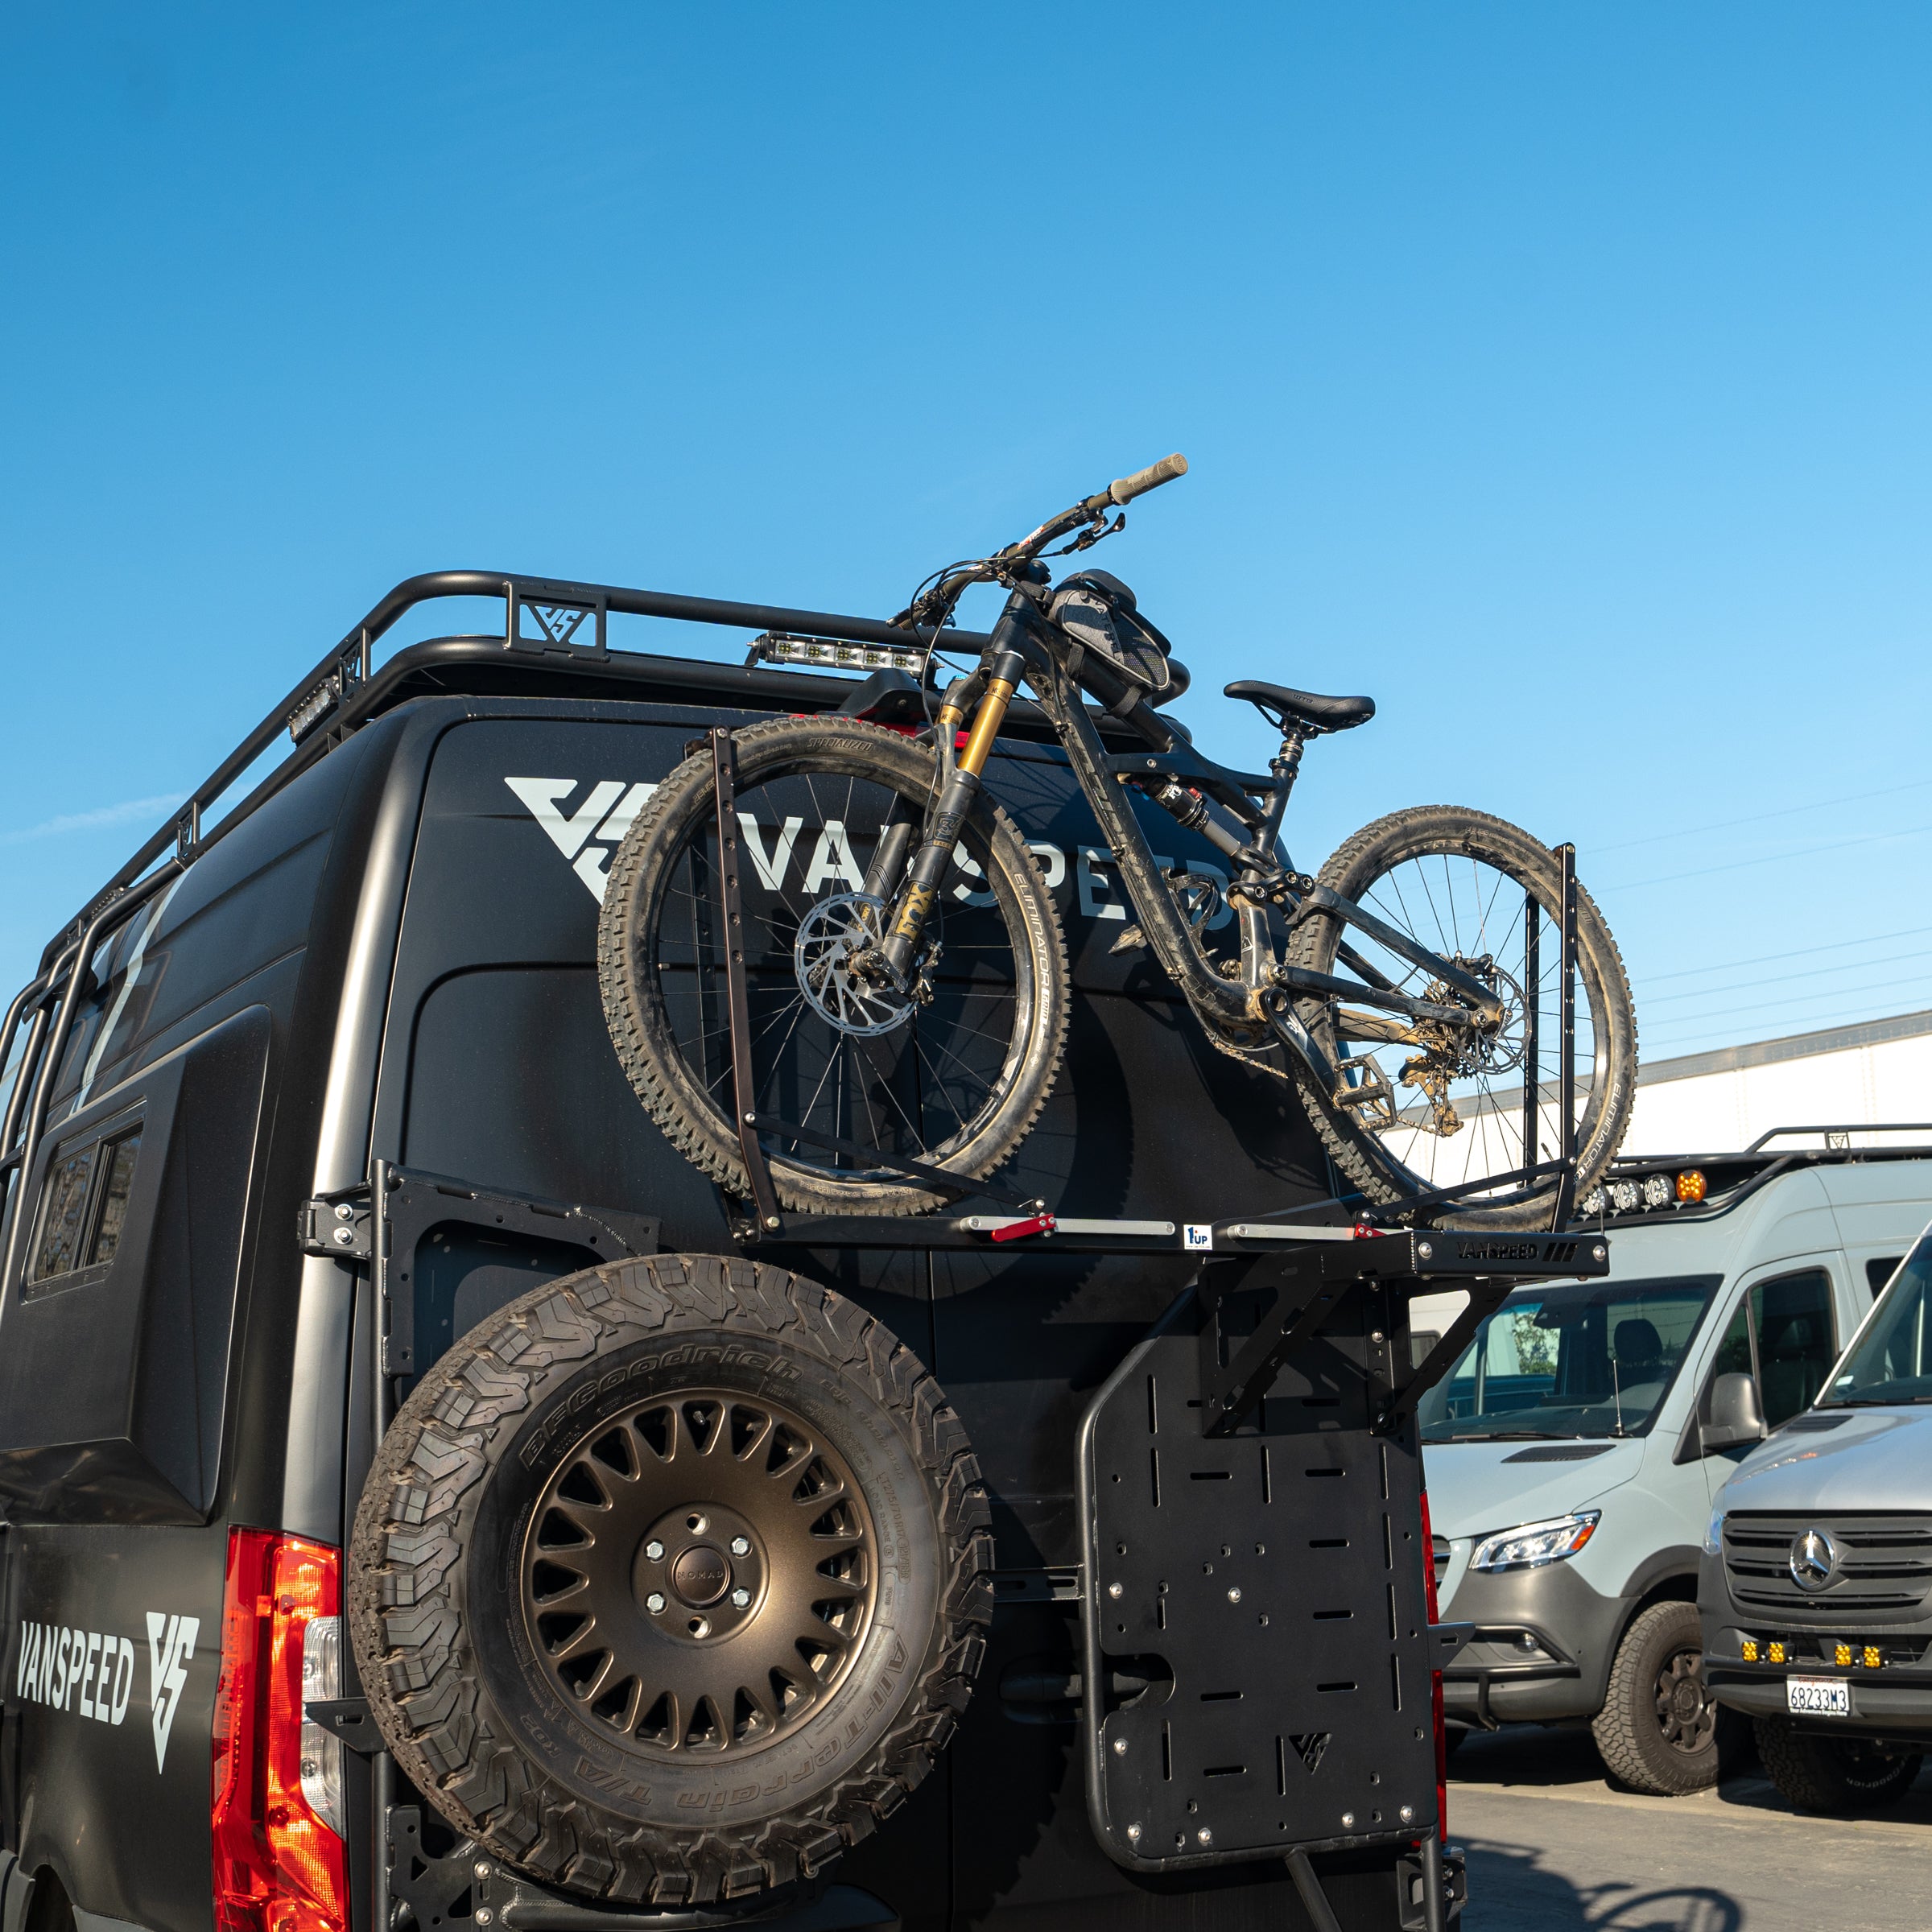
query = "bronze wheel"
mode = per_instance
[
  {"x": 700, "y": 1572},
  {"x": 670, "y": 1580}
]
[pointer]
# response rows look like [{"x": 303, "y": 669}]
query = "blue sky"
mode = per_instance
[{"x": 1559, "y": 375}]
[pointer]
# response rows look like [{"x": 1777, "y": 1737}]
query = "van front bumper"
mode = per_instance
[
  {"x": 1891, "y": 1699},
  {"x": 1541, "y": 1649}
]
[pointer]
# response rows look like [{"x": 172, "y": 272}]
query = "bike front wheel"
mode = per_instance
[
  {"x": 951, "y": 1071},
  {"x": 1453, "y": 1108}
]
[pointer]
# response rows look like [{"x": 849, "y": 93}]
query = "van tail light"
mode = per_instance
[
  {"x": 1436, "y": 1679},
  {"x": 280, "y": 1864}
]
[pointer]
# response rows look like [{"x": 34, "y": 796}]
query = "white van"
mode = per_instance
[{"x": 1572, "y": 1453}]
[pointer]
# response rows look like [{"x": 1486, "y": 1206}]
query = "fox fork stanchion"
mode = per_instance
[{"x": 929, "y": 863}]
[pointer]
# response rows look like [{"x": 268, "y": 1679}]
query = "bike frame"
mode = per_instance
[{"x": 1257, "y": 1009}]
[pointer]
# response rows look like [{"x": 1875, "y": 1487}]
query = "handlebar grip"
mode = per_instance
[{"x": 1124, "y": 489}]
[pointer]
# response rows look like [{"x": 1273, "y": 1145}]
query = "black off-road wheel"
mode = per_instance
[
  {"x": 670, "y": 1580},
  {"x": 1658, "y": 1729},
  {"x": 1834, "y": 1774}
]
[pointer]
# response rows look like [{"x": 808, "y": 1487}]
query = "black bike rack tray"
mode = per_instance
[{"x": 1250, "y": 1482}]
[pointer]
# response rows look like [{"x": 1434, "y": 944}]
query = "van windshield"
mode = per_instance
[
  {"x": 1892, "y": 1361},
  {"x": 1584, "y": 1359}
]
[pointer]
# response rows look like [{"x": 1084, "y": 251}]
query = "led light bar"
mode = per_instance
[
  {"x": 829, "y": 653},
  {"x": 314, "y": 708}
]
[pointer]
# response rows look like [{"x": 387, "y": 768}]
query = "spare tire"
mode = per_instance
[{"x": 671, "y": 1579}]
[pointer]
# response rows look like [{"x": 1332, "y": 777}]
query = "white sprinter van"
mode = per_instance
[{"x": 1572, "y": 1453}]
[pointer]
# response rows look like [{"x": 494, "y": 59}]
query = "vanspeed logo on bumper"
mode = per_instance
[{"x": 91, "y": 1673}]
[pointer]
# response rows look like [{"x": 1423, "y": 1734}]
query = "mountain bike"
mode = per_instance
[{"x": 906, "y": 987}]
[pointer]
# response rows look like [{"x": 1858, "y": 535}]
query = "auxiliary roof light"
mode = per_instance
[
  {"x": 828, "y": 654},
  {"x": 1658, "y": 1191},
  {"x": 1690, "y": 1186},
  {"x": 1624, "y": 1196}
]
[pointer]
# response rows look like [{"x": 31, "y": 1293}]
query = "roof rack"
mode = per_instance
[
  {"x": 1718, "y": 1182},
  {"x": 341, "y": 692}
]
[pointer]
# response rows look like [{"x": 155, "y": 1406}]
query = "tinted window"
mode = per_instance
[
  {"x": 85, "y": 1207},
  {"x": 63, "y": 1215},
  {"x": 1783, "y": 1332},
  {"x": 1878, "y": 1271},
  {"x": 1797, "y": 1341},
  {"x": 1588, "y": 1358},
  {"x": 117, "y": 1165},
  {"x": 1891, "y": 1362}
]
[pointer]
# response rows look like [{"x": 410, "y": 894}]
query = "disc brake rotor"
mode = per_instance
[{"x": 834, "y": 933}]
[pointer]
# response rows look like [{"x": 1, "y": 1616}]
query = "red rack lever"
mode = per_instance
[{"x": 1033, "y": 1223}]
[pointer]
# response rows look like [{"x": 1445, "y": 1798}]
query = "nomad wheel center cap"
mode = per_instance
[{"x": 701, "y": 1575}]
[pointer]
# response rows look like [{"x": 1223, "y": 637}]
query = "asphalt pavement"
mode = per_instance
[{"x": 1552, "y": 1848}]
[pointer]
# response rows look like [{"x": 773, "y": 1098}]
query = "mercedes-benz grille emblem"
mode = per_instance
[{"x": 1814, "y": 1560}]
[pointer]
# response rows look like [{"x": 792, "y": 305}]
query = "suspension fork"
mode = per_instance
[{"x": 914, "y": 902}]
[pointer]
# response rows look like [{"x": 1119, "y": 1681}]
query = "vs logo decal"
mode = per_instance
[{"x": 171, "y": 1643}]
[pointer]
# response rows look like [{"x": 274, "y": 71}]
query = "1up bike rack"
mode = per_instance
[
  {"x": 764, "y": 1222},
  {"x": 1255, "y": 1623}
]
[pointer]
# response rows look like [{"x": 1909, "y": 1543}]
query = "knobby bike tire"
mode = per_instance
[
  {"x": 1427, "y": 832},
  {"x": 691, "y": 1114}
]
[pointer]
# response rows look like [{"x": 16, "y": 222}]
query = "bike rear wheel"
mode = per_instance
[
  {"x": 953, "y": 1074},
  {"x": 1406, "y": 1119}
]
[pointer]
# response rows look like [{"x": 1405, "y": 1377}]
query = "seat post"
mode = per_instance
[{"x": 1286, "y": 763}]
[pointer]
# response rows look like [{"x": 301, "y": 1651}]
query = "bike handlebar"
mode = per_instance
[{"x": 1124, "y": 489}]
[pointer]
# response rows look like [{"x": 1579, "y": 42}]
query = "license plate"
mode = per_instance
[{"x": 1818, "y": 1696}]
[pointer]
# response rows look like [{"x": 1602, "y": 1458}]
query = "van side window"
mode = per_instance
[
  {"x": 117, "y": 1170},
  {"x": 62, "y": 1216},
  {"x": 1880, "y": 1271},
  {"x": 85, "y": 1205},
  {"x": 1783, "y": 1333}
]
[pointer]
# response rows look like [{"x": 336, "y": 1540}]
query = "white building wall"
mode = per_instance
[{"x": 1794, "y": 1083}]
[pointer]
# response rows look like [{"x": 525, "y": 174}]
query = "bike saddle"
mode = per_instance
[{"x": 1282, "y": 706}]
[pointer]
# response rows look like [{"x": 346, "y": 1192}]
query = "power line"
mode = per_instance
[
  {"x": 1765, "y": 958},
  {"x": 1685, "y": 1021},
  {"x": 1781, "y": 812},
  {"x": 1810, "y": 972},
  {"x": 1774, "y": 858}
]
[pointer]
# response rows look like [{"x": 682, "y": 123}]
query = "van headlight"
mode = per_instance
[
  {"x": 1532, "y": 1545},
  {"x": 1714, "y": 1534}
]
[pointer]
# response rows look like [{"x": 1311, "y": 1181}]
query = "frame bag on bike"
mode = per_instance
[{"x": 1097, "y": 610}]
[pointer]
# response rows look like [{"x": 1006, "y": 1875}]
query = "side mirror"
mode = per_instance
[{"x": 1735, "y": 1415}]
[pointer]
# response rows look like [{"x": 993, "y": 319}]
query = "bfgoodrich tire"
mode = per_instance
[
  {"x": 1836, "y": 1774},
  {"x": 671, "y": 1579},
  {"x": 1658, "y": 1729}
]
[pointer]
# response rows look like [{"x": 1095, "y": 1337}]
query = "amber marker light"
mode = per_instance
[{"x": 1690, "y": 1186}]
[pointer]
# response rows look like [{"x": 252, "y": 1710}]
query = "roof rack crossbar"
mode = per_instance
[{"x": 349, "y": 664}]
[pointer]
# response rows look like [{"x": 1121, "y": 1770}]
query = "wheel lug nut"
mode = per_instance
[
  {"x": 741, "y": 1598},
  {"x": 655, "y": 1550},
  {"x": 741, "y": 1545},
  {"x": 654, "y": 1603}
]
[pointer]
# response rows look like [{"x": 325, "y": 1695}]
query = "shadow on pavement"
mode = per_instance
[
  {"x": 1511, "y": 1890},
  {"x": 1530, "y": 1757}
]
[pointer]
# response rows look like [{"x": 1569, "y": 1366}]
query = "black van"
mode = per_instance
[{"x": 303, "y": 1101}]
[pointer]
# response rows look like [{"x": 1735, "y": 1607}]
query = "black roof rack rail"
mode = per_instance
[
  {"x": 1732, "y": 1175},
  {"x": 560, "y": 608}
]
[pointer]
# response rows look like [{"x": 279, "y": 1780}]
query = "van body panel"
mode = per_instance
[{"x": 423, "y": 946}]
